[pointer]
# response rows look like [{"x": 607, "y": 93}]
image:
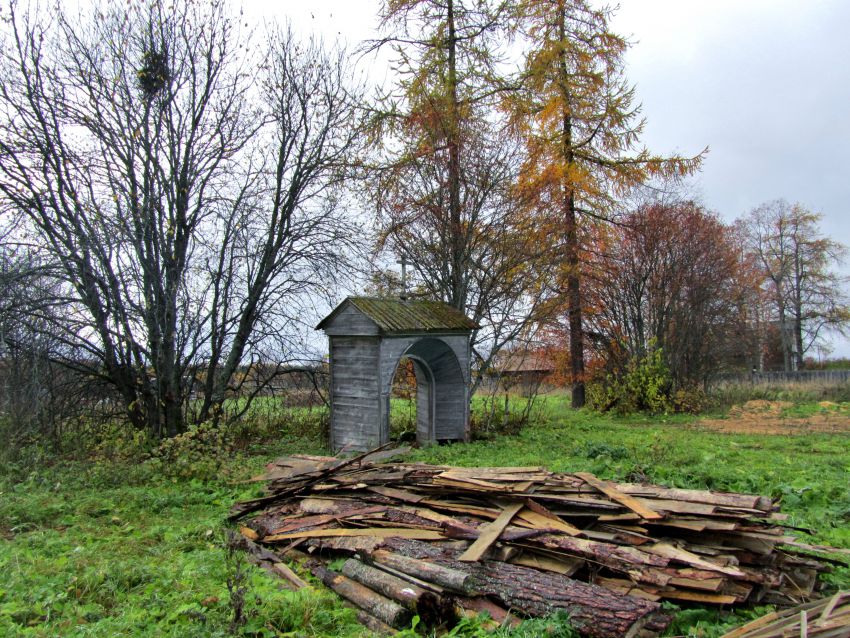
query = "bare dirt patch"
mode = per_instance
[{"x": 772, "y": 417}]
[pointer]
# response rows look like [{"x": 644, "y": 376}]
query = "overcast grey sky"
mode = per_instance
[{"x": 765, "y": 84}]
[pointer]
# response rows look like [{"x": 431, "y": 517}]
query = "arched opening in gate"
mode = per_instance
[
  {"x": 440, "y": 394},
  {"x": 403, "y": 400}
]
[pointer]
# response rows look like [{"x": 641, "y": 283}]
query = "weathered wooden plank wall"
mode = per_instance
[
  {"x": 447, "y": 357},
  {"x": 356, "y": 410}
]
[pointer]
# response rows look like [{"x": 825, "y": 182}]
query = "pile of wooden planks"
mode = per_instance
[
  {"x": 824, "y": 618},
  {"x": 435, "y": 540}
]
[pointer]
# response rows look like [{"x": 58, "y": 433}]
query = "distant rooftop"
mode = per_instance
[
  {"x": 524, "y": 361},
  {"x": 394, "y": 315}
]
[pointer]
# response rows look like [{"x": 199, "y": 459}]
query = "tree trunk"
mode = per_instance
[
  {"x": 458, "y": 297},
  {"x": 574, "y": 309},
  {"x": 784, "y": 341},
  {"x": 457, "y": 580},
  {"x": 594, "y": 610},
  {"x": 433, "y": 610},
  {"x": 798, "y": 307},
  {"x": 572, "y": 239}
]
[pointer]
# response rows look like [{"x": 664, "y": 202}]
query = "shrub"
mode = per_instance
[
  {"x": 507, "y": 416},
  {"x": 691, "y": 400},
  {"x": 197, "y": 453},
  {"x": 403, "y": 419},
  {"x": 599, "y": 449},
  {"x": 488, "y": 424},
  {"x": 114, "y": 440},
  {"x": 643, "y": 386}
]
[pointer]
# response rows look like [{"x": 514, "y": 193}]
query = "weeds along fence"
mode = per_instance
[{"x": 801, "y": 385}]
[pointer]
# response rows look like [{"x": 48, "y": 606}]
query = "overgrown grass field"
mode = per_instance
[{"x": 107, "y": 548}]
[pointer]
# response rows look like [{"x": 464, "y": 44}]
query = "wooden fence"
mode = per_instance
[{"x": 797, "y": 376}]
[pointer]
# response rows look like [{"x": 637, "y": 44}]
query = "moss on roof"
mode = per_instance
[{"x": 394, "y": 315}]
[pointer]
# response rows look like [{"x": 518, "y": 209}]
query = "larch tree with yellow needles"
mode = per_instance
[{"x": 576, "y": 112}]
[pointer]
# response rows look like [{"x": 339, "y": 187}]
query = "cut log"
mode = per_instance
[
  {"x": 285, "y": 572},
  {"x": 377, "y": 626},
  {"x": 456, "y": 580},
  {"x": 432, "y": 610},
  {"x": 480, "y": 605},
  {"x": 249, "y": 533},
  {"x": 382, "y": 608},
  {"x": 595, "y": 611}
]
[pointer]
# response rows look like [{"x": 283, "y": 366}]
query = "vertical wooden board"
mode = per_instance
[
  {"x": 450, "y": 410},
  {"x": 331, "y": 439}
]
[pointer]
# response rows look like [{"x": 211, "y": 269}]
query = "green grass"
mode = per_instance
[
  {"x": 100, "y": 551},
  {"x": 106, "y": 549}
]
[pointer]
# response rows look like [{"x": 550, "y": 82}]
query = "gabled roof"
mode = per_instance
[{"x": 397, "y": 316}]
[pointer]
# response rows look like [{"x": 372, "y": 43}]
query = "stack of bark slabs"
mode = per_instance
[{"x": 432, "y": 539}]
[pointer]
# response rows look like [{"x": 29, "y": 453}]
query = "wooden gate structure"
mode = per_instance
[{"x": 367, "y": 339}]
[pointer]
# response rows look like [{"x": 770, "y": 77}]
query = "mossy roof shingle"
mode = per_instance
[{"x": 395, "y": 315}]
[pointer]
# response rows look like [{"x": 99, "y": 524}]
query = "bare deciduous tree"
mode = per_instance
[
  {"x": 808, "y": 298},
  {"x": 184, "y": 176}
]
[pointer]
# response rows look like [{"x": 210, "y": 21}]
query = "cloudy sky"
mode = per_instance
[{"x": 765, "y": 84}]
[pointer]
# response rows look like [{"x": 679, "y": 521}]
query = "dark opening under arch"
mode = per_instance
[{"x": 440, "y": 391}]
